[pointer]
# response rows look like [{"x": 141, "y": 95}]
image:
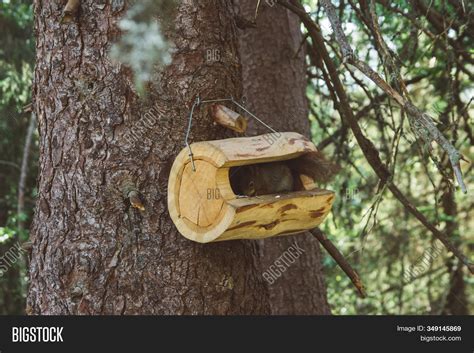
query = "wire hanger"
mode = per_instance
[{"x": 198, "y": 102}]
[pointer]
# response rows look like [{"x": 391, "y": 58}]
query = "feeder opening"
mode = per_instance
[{"x": 268, "y": 178}]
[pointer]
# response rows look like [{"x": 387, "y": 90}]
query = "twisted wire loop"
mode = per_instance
[{"x": 197, "y": 103}]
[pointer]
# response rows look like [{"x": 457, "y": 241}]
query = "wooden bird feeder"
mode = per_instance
[{"x": 204, "y": 207}]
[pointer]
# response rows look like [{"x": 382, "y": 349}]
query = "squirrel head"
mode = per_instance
[
  {"x": 243, "y": 180},
  {"x": 247, "y": 181}
]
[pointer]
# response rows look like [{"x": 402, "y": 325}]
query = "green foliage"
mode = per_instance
[
  {"x": 143, "y": 46},
  {"x": 374, "y": 231},
  {"x": 16, "y": 71},
  {"x": 19, "y": 12},
  {"x": 15, "y": 85},
  {"x": 6, "y": 234}
]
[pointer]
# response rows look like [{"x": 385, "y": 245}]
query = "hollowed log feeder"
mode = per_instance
[{"x": 204, "y": 207}]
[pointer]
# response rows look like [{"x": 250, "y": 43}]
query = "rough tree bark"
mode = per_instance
[
  {"x": 274, "y": 80},
  {"x": 92, "y": 252}
]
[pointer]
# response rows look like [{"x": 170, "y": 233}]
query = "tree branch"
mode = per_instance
[
  {"x": 423, "y": 122},
  {"x": 10, "y": 164},
  {"x": 368, "y": 149},
  {"x": 340, "y": 260}
]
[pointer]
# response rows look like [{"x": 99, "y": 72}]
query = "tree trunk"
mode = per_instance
[
  {"x": 93, "y": 253},
  {"x": 274, "y": 84}
]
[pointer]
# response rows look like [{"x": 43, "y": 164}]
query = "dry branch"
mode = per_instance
[
  {"x": 423, "y": 122},
  {"x": 368, "y": 149},
  {"x": 228, "y": 118},
  {"x": 71, "y": 10},
  {"x": 340, "y": 260}
]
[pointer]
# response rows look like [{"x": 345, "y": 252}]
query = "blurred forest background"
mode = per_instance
[{"x": 405, "y": 270}]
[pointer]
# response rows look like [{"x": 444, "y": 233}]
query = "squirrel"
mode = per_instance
[
  {"x": 281, "y": 177},
  {"x": 263, "y": 179}
]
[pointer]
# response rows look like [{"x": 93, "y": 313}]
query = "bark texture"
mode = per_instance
[
  {"x": 274, "y": 84},
  {"x": 92, "y": 252}
]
